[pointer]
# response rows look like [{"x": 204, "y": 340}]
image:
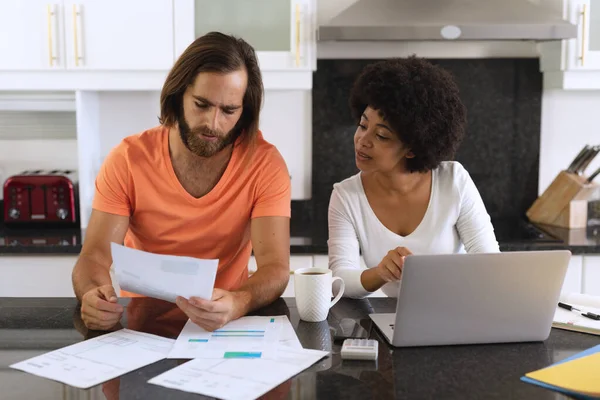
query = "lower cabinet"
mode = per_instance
[
  {"x": 591, "y": 275},
  {"x": 50, "y": 275},
  {"x": 36, "y": 276}
]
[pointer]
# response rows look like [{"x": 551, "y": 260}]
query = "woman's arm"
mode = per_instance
[
  {"x": 474, "y": 224},
  {"x": 344, "y": 249}
]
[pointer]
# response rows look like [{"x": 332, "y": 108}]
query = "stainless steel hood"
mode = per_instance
[{"x": 385, "y": 20}]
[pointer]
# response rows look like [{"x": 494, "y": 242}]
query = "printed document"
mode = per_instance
[
  {"x": 163, "y": 276},
  {"x": 246, "y": 337},
  {"x": 94, "y": 361},
  {"x": 235, "y": 378}
]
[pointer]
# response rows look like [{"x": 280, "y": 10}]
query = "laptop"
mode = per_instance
[{"x": 453, "y": 299}]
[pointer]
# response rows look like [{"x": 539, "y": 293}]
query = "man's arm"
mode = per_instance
[
  {"x": 271, "y": 244},
  {"x": 91, "y": 278},
  {"x": 93, "y": 265}
]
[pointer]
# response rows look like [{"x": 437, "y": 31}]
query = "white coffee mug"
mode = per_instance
[{"x": 313, "y": 290}]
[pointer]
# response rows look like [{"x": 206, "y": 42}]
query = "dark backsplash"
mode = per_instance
[{"x": 500, "y": 150}]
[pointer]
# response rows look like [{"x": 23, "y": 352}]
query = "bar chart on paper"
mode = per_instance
[{"x": 247, "y": 337}]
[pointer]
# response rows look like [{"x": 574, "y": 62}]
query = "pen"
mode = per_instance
[{"x": 586, "y": 314}]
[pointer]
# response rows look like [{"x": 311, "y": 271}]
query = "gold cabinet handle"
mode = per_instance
[
  {"x": 75, "y": 37},
  {"x": 297, "y": 34},
  {"x": 51, "y": 56},
  {"x": 583, "y": 26}
]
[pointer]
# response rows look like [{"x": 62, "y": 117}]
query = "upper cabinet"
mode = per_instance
[
  {"x": 132, "y": 44},
  {"x": 283, "y": 33},
  {"x": 31, "y": 35},
  {"x": 575, "y": 63},
  {"x": 86, "y": 34},
  {"x": 119, "y": 35},
  {"x": 584, "y": 52}
]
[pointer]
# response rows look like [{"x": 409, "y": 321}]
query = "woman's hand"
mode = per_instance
[{"x": 390, "y": 268}]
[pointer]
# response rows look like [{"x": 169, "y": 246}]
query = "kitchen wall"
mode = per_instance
[
  {"x": 501, "y": 149},
  {"x": 570, "y": 120}
]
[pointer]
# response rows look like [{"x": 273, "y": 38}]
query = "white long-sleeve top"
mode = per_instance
[{"x": 456, "y": 221}]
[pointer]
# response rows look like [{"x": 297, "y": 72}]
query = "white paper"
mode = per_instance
[
  {"x": 252, "y": 336},
  {"x": 94, "y": 361},
  {"x": 163, "y": 276},
  {"x": 234, "y": 378},
  {"x": 573, "y": 320},
  {"x": 288, "y": 335}
]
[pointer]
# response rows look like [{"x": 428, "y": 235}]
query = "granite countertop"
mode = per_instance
[
  {"x": 29, "y": 327},
  {"x": 308, "y": 238}
]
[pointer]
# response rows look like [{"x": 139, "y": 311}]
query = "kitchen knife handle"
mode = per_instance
[
  {"x": 588, "y": 159},
  {"x": 593, "y": 175},
  {"x": 573, "y": 166}
]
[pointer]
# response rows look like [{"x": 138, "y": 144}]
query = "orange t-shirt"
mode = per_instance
[{"x": 137, "y": 180}]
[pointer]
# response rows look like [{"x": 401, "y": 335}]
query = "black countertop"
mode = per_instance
[
  {"x": 512, "y": 234},
  {"x": 29, "y": 327}
]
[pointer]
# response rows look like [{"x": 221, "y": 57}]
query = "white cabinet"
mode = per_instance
[
  {"x": 131, "y": 45},
  {"x": 574, "y": 63},
  {"x": 119, "y": 35},
  {"x": 583, "y": 53},
  {"x": 283, "y": 33},
  {"x": 36, "y": 276},
  {"x": 572, "y": 282},
  {"x": 86, "y": 34},
  {"x": 591, "y": 275},
  {"x": 31, "y": 35}
]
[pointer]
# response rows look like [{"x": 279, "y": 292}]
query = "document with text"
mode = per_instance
[
  {"x": 163, "y": 276},
  {"x": 94, "y": 361},
  {"x": 246, "y": 337},
  {"x": 234, "y": 378}
]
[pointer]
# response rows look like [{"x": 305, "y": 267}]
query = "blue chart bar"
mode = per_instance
[{"x": 198, "y": 340}]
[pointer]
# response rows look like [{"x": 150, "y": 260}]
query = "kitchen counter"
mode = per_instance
[
  {"x": 29, "y": 327},
  {"x": 512, "y": 234}
]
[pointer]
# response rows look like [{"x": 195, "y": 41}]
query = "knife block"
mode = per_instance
[{"x": 564, "y": 202}]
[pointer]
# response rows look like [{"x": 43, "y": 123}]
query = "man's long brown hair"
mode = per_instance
[{"x": 214, "y": 52}]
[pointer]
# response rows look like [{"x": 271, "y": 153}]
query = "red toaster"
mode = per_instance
[{"x": 42, "y": 197}]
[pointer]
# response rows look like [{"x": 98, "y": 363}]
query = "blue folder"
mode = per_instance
[{"x": 593, "y": 350}]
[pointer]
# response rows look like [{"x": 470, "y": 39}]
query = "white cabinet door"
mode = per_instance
[
  {"x": 584, "y": 52},
  {"x": 572, "y": 282},
  {"x": 283, "y": 32},
  {"x": 119, "y": 35},
  {"x": 591, "y": 275},
  {"x": 36, "y": 276},
  {"x": 31, "y": 35}
]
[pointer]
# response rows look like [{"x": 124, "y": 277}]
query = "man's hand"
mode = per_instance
[
  {"x": 213, "y": 314},
  {"x": 390, "y": 268},
  {"x": 99, "y": 308}
]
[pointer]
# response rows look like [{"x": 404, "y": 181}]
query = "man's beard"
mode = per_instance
[{"x": 193, "y": 140}]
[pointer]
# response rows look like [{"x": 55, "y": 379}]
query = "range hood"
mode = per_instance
[{"x": 385, "y": 20}]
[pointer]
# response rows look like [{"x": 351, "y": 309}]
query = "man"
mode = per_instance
[{"x": 203, "y": 184}]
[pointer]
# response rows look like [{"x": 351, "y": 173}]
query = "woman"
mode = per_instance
[{"x": 406, "y": 199}]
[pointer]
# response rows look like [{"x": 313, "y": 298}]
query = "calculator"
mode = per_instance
[{"x": 360, "y": 349}]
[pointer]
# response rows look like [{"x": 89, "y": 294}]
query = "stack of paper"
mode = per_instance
[
  {"x": 574, "y": 321},
  {"x": 576, "y": 376},
  {"x": 94, "y": 361},
  {"x": 244, "y": 359},
  {"x": 232, "y": 379}
]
